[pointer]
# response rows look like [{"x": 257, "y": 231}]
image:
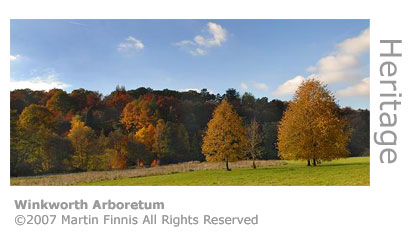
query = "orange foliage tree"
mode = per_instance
[
  {"x": 310, "y": 128},
  {"x": 225, "y": 138},
  {"x": 140, "y": 113}
]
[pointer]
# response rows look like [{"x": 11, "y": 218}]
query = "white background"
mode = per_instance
[{"x": 381, "y": 208}]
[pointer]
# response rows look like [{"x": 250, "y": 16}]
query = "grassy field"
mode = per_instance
[{"x": 350, "y": 171}]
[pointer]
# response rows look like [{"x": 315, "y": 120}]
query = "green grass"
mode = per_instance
[{"x": 349, "y": 171}]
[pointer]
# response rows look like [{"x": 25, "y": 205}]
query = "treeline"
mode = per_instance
[{"x": 56, "y": 131}]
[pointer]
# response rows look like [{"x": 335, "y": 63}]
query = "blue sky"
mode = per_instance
[{"x": 265, "y": 57}]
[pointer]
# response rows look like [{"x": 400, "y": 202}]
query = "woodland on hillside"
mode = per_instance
[{"x": 55, "y": 131}]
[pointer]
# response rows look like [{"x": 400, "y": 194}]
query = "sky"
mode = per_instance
[{"x": 268, "y": 58}]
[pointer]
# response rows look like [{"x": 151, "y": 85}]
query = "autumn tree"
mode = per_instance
[
  {"x": 82, "y": 139},
  {"x": 118, "y": 98},
  {"x": 79, "y": 99},
  {"x": 310, "y": 128},
  {"x": 225, "y": 138},
  {"x": 255, "y": 141},
  {"x": 140, "y": 113},
  {"x": 146, "y": 136}
]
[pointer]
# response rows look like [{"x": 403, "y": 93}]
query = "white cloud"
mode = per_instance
[
  {"x": 244, "y": 86},
  {"x": 130, "y": 44},
  {"x": 14, "y": 57},
  {"x": 344, "y": 65},
  {"x": 260, "y": 86},
  {"x": 357, "y": 45},
  {"x": 216, "y": 36},
  {"x": 289, "y": 87},
  {"x": 46, "y": 82},
  {"x": 359, "y": 89}
]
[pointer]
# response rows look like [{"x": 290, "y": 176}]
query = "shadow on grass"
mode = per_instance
[{"x": 345, "y": 164}]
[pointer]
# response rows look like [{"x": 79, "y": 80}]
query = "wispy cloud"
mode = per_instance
[
  {"x": 77, "y": 23},
  {"x": 184, "y": 43},
  {"x": 215, "y": 35},
  {"x": 260, "y": 86},
  {"x": 130, "y": 44},
  {"x": 244, "y": 86},
  {"x": 198, "y": 51},
  {"x": 45, "y": 82}
]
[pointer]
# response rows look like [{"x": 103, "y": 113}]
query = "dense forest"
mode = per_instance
[{"x": 55, "y": 131}]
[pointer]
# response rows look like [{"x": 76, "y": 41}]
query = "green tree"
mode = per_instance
[
  {"x": 29, "y": 138},
  {"x": 270, "y": 132},
  {"x": 159, "y": 138},
  {"x": 37, "y": 118},
  {"x": 57, "y": 154},
  {"x": 174, "y": 144},
  {"x": 60, "y": 102}
]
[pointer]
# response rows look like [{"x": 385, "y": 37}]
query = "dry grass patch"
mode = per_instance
[{"x": 93, "y": 176}]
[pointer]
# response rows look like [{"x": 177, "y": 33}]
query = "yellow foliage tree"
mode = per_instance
[
  {"x": 146, "y": 136},
  {"x": 81, "y": 137},
  {"x": 225, "y": 138},
  {"x": 310, "y": 128}
]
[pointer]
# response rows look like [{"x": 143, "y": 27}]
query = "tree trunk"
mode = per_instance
[
  {"x": 308, "y": 162},
  {"x": 314, "y": 162},
  {"x": 227, "y": 164},
  {"x": 254, "y": 163}
]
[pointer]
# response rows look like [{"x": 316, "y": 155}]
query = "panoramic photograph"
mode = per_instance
[{"x": 189, "y": 102}]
